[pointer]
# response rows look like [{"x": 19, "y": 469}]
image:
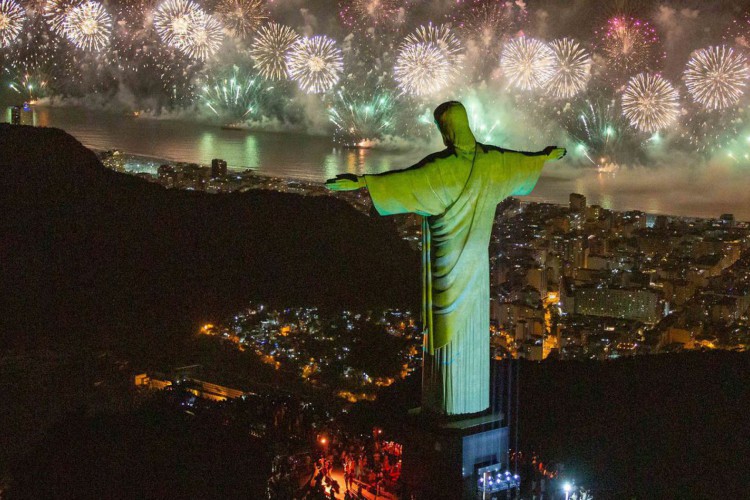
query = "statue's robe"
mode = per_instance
[{"x": 457, "y": 192}]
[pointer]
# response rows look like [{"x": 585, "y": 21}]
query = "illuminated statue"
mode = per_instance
[{"x": 456, "y": 191}]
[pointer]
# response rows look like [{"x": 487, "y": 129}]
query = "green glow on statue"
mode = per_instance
[{"x": 456, "y": 191}]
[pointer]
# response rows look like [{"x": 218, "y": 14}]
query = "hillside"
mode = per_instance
[{"x": 92, "y": 256}]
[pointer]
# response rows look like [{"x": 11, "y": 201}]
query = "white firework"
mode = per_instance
[
  {"x": 443, "y": 38},
  {"x": 269, "y": 49},
  {"x": 571, "y": 68},
  {"x": 429, "y": 59},
  {"x": 242, "y": 17},
  {"x": 55, "y": 12},
  {"x": 173, "y": 19},
  {"x": 650, "y": 102},
  {"x": 205, "y": 35},
  {"x": 315, "y": 64},
  {"x": 422, "y": 69},
  {"x": 88, "y": 26},
  {"x": 12, "y": 17},
  {"x": 716, "y": 77},
  {"x": 527, "y": 63}
]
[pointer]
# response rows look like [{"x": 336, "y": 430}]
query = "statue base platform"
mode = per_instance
[{"x": 441, "y": 456}]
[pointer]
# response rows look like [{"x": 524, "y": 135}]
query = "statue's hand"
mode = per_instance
[
  {"x": 554, "y": 153},
  {"x": 346, "y": 182}
]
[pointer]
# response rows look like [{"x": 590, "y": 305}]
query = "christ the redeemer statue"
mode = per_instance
[{"x": 456, "y": 191}]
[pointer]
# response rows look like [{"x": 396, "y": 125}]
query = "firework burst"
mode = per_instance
[
  {"x": 242, "y": 17},
  {"x": 650, "y": 103},
  {"x": 39, "y": 52},
  {"x": 443, "y": 38},
  {"x": 205, "y": 35},
  {"x": 31, "y": 86},
  {"x": 56, "y": 11},
  {"x": 421, "y": 69},
  {"x": 428, "y": 60},
  {"x": 173, "y": 21},
  {"x": 315, "y": 64},
  {"x": 602, "y": 134},
  {"x": 365, "y": 14},
  {"x": 571, "y": 69},
  {"x": 527, "y": 63},
  {"x": 269, "y": 49},
  {"x": 716, "y": 77},
  {"x": 361, "y": 118},
  {"x": 237, "y": 97},
  {"x": 88, "y": 26},
  {"x": 629, "y": 45},
  {"x": 157, "y": 74},
  {"x": 12, "y": 17}
]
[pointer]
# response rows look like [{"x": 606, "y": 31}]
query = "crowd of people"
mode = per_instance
[
  {"x": 366, "y": 464},
  {"x": 374, "y": 468},
  {"x": 369, "y": 463}
]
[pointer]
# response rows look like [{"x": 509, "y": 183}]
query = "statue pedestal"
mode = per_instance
[{"x": 441, "y": 457}]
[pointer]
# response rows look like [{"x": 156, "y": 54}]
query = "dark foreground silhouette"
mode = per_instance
[
  {"x": 92, "y": 256},
  {"x": 659, "y": 426},
  {"x": 154, "y": 452},
  {"x": 105, "y": 275}
]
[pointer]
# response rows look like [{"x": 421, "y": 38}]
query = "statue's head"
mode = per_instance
[{"x": 453, "y": 122}]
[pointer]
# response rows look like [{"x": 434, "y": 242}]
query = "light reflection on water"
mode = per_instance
[
  {"x": 306, "y": 157},
  {"x": 672, "y": 190}
]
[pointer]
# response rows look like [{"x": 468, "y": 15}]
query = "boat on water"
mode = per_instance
[{"x": 234, "y": 126}]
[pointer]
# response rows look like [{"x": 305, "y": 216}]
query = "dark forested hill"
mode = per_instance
[{"x": 92, "y": 255}]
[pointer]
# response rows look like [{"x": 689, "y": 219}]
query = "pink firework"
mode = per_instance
[{"x": 629, "y": 46}]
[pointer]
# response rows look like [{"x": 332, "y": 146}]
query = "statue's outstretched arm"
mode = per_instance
[
  {"x": 554, "y": 152},
  {"x": 346, "y": 182},
  {"x": 351, "y": 182},
  {"x": 411, "y": 190},
  {"x": 527, "y": 167}
]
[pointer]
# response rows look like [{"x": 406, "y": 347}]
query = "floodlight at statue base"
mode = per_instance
[{"x": 441, "y": 458}]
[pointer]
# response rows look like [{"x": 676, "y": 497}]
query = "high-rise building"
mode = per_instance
[
  {"x": 15, "y": 115},
  {"x": 593, "y": 212},
  {"x": 575, "y": 251},
  {"x": 634, "y": 304},
  {"x": 536, "y": 277},
  {"x": 218, "y": 168},
  {"x": 577, "y": 203}
]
